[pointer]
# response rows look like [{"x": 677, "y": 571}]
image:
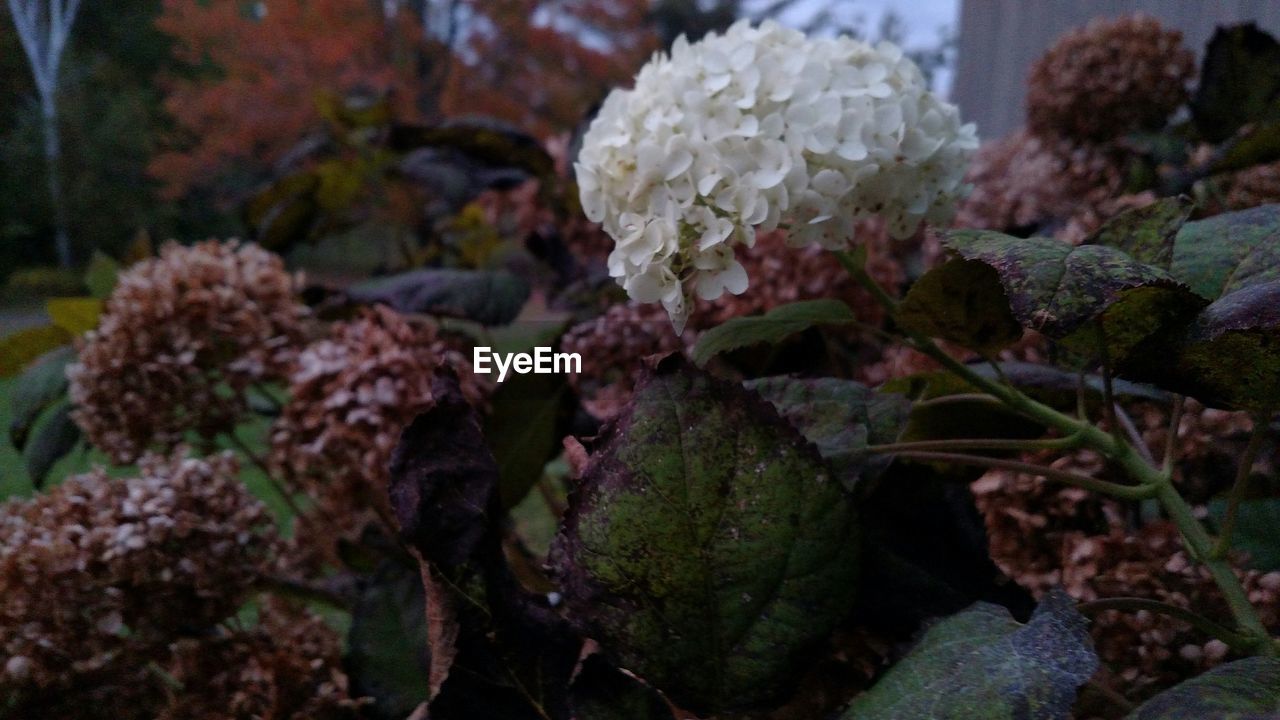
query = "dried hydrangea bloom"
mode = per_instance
[
  {"x": 1258, "y": 185},
  {"x": 1024, "y": 181},
  {"x": 1045, "y": 535},
  {"x": 1109, "y": 78},
  {"x": 762, "y": 126},
  {"x": 99, "y": 569},
  {"x": 350, "y": 396},
  {"x": 288, "y": 667},
  {"x": 182, "y": 337}
]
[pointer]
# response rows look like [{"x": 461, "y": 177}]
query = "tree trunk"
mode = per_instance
[{"x": 53, "y": 173}]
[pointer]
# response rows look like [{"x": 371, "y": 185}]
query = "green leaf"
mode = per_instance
[
  {"x": 1239, "y": 82},
  {"x": 76, "y": 315},
  {"x": 841, "y": 418},
  {"x": 43, "y": 383},
  {"x": 1255, "y": 534},
  {"x": 1260, "y": 145},
  {"x": 772, "y": 327},
  {"x": 1228, "y": 252},
  {"x": 1146, "y": 234},
  {"x": 1060, "y": 290},
  {"x": 983, "y": 665},
  {"x": 602, "y": 692},
  {"x": 100, "y": 278},
  {"x": 388, "y": 657},
  {"x": 21, "y": 348},
  {"x": 1229, "y": 354},
  {"x": 55, "y": 435},
  {"x": 961, "y": 301},
  {"x": 707, "y": 547},
  {"x": 530, "y": 415},
  {"x": 1246, "y": 689},
  {"x": 490, "y": 297}
]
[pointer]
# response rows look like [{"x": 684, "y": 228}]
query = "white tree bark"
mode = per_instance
[{"x": 44, "y": 27}]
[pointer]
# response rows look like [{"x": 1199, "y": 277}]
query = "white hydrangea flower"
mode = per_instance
[{"x": 762, "y": 127}]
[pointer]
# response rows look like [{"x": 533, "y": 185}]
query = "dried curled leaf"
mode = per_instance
[{"x": 707, "y": 547}]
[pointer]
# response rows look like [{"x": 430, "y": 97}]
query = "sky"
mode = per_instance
[{"x": 924, "y": 19}]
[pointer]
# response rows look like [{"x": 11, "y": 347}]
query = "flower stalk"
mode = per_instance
[{"x": 1151, "y": 481}]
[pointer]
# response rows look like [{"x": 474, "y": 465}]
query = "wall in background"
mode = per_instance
[{"x": 999, "y": 39}]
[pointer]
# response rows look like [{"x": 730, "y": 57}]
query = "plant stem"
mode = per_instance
[
  {"x": 1241, "y": 484},
  {"x": 974, "y": 444},
  {"x": 1171, "y": 442},
  {"x": 1127, "y": 492},
  {"x": 1133, "y": 604},
  {"x": 266, "y": 471},
  {"x": 1151, "y": 481}
]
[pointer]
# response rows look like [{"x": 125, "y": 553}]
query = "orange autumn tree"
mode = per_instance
[
  {"x": 542, "y": 65},
  {"x": 257, "y": 70}
]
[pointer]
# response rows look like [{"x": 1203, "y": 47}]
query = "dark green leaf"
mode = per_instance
[
  {"x": 490, "y": 297},
  {"x": 41, "y": 385},
  {"x": 1146, "y": 234},
  {"x": 100, "y": 278},
  {"x": 55, "y": 435},
  {"x": 707, "y": 547},
  {"x": 772, "y": 327},
  {"x": 284, "y": 212},
  {"x": 1246, "y": 689},
  {"x": 961, "y": 301},
  {"x": 1227, "y": 252},
  {"x": 1060, "y": 290},
  {"x": 602, "y": 692},
  {"x": 928, "y": 555},
  {"x": 841, "y": 418},
  {"x": 1239, "y": 82},
  {"x": 983, "y": 665},
  {"x": 388, "y": 657},
  {"x": 1259, "y": 146},
  {"x": 530, "y": 414},
  {"x": 1255, "y": 532},
  {"x": 1231, "y": 354}
]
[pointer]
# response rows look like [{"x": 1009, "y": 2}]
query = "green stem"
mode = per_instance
[
  {"x": 1126, "y": 492},
  {"x": 1151, "y": 481},
  {"x": 974, "y": 444},
  {"x": 262, "y": 465},
  {"x": 1239, "y": 486},
  {"x": 1132, "y": 604}
]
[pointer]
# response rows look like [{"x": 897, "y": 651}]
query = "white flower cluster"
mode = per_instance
[{"x": 762, "y": 127}]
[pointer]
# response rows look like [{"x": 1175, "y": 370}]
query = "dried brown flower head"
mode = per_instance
[
  {"x": 350, "y": 396},
  {"x": 1108, "y": 78},
  {"x": 1025, "y": 181},
  {"x": 1258, "y": 185},
  {"x": 99, "y": 569},
  {"x": 182, "y": 337},
  {"x": 288, "y": 667}
]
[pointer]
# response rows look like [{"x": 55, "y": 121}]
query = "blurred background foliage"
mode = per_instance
[{"x": 174, "y": 115}]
